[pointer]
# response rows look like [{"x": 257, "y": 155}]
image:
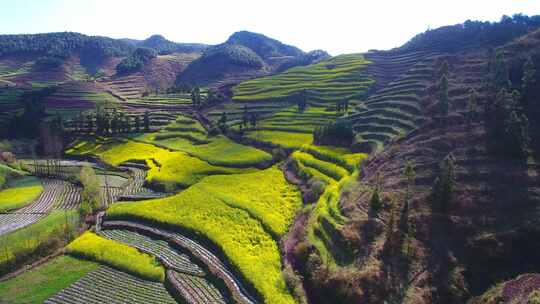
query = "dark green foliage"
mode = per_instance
[
  {"x": 443, "y": 188},
  {"x": 375, "y": 202},
  {"x": 443, "y": 95},
  {"x": 528, "y": 82},
  {"x": 137, "y": 124},
  {"x": 61, "y": 45},
  {"x": 302, "y": 101},
  {"x": 474, "y": 33},
  {"x": 136, "y": 61},
  {"x": 196, "y": 98},
  {"x": 215, "y": 97},
  {"x": 263, "y": 46},
  {"x": 472, "y": 106},
  {"x": 235, "y": 54},
  {"x": 164, "y": 46},
  {"x": 26, "y": 124},
  {"x": 508, "y": 133},
  {"x": 146, "y": 121},
  {"x": 334, "y": 134},
  {"x": 222, "y": 123},
  {"x": 498, "y": 72},
  {"x": 50, "y": 62},
  {"x": 410, "y": 176}
]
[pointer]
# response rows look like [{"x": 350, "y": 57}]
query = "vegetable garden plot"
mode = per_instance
[
  {"x": 35, "y": 211},
  {"x": 215, "y": 265},
  {"x": 106, "y": 285},
  {"x": 195, "y": 290},
  {"x": 158, "y": 248}
]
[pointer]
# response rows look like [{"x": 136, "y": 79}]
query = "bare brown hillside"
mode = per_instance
[{"x": 413, "y": 252}]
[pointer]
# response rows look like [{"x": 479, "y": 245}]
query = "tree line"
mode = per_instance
[{"x": 109, "y": 122}]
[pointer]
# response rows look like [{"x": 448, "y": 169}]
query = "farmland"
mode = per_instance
[
  {"x": 19, "y": 193},
  {"x": 240, "y": 236}
]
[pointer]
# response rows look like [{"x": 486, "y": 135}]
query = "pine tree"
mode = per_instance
[
  {"x": 410, "y": 176},
  {"x": 137, "y": 124},
  {"x": 443, "y": 187},
  {"x": 443, "y": 95},
  {"x": 443, "y": 69},
  {"x": 527, "y": 84},
  {"x": 499, "y": 77},
  {"x": 472, "y": 105},
  {"x": 146, "y": 121}
]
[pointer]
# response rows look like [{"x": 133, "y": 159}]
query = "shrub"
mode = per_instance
[
  {"x": 335, "y": 134},
  {"x": 136, "y": 61}
]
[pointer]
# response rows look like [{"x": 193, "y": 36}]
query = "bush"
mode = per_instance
[
  {"x": 136, "y": 61},
  {"x": 335, "y": 134},
  {"x": 45, "y": 63}
]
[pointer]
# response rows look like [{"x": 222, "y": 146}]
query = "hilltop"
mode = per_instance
[{"x": 245, "y": 55}]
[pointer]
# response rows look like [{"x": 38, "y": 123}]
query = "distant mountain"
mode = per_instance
[{"x": 245, "y": 55}]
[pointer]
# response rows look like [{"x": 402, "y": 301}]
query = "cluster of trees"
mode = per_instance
[
  {"x": 26, "y": 123},
  {"x": 248, "y": 119},
  {"x": 507, "y": 120},
  {"x": 164, "y": 46},
  {"x": 212, "y": 97},
  {"x": 104, "y": 122},
  {"x": 136, "y": 61},
  {"x": 61, "y": 45},
  {"x": 334, "y": 134},
  {"x": 474, "y": 33},
  {"x": 91, "y": 193}
]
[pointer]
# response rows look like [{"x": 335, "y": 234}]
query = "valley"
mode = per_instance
[{"x": 150, "y": 171}]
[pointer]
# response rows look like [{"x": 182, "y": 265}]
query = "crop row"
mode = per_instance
[
  {"x": 214, "y": 264},
  {"x": 70, "y": 197},
  {"x": 195, "y": 290},
  {"x": 107, "y": 285},
  {"x": 33, "y": 212},
  {"x": 158, "y": 248}
]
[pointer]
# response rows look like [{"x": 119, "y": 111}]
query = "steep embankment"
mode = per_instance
[{"x": 411, "y": 250}]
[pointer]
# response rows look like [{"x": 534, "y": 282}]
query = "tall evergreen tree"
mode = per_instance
[
  {"x": 443, "y": 103},
  {"x": 527, "y": 84},
  {"x": 146, "y": 121},
  {"x": 499, "y": 73},
  {"x": 472, "y": 105},
  {"x": 443, "y": 187}
]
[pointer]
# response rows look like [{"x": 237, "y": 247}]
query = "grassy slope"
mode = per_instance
[
  {"x": 38, "y": 284},
  {"x": 233, "y": 222},
  {"x": 118, "y": 255},
  {"x": 20, "y": 193}
]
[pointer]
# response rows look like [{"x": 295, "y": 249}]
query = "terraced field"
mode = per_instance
[
  {"x": 19, "y": 192},
  {"x": 170, "y": 258},
  {"x": 78, "y": 96},
  {"x": 240, "y": 225},
  {"x": 127, "y": 87},
  {"x": 201, "y": 253},
  {"x": 33, "y": 212},
  {"x": 195, "y": 289},
  {"x": 107, "y": 285},
  {"x": 397, "y": 109},
  {"x": 290, "y": 128},
  {"x": 340, "y": 78}
]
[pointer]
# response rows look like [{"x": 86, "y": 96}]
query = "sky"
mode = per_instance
[{"x": 338, "y": 26}]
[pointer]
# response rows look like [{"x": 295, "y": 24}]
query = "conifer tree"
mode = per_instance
[
  {"x": 443, "y": 187},
  {"x": 146, "y": 121},
  {"x": 472, "y": 105},
  {"x": 443, "y": 95}
]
